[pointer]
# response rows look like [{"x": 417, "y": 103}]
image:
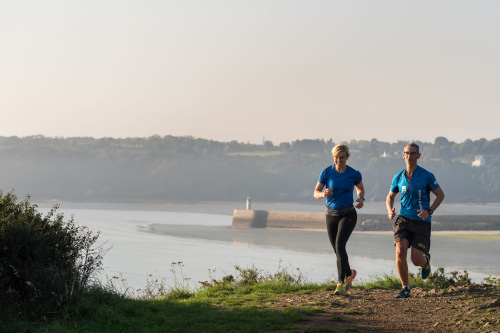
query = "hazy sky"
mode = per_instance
[{"x": 241, "y": 70}]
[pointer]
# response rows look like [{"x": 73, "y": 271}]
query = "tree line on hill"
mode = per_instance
[{"x": 172, "y": 168}]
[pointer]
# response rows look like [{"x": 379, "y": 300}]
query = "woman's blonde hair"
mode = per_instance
[{"x": 339, "y": 149}]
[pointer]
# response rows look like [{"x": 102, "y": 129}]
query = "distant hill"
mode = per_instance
[{"x": 189, "y": 169}]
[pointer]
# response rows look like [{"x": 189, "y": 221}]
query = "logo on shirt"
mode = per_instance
[{"x": 403, "y": 189}]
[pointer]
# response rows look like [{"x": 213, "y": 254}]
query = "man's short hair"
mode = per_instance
[{"x": 413, "y": 144}]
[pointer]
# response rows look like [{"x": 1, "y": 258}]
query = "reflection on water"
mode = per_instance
[{"x": 477, "y": 257}]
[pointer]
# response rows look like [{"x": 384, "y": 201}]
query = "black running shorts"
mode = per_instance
[{"x": 417, "y": 232}]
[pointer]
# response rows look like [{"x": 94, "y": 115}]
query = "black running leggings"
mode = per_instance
[{"x": 339, "y": 230}]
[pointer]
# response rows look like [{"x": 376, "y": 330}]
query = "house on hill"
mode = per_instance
[{"x": 479, "y": 161}]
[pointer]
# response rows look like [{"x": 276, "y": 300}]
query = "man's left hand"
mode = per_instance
[{"x": 423, "y": 214}]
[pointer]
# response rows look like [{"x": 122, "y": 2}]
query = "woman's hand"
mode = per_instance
[
  {"x": 360, "y": 203},
  {"x": 360, "y": 188}
]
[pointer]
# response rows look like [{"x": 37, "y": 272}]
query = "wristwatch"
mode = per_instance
[{"x": 430, "y": 211}]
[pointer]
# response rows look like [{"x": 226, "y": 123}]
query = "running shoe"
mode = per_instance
[
  {"x": 404, "y": 293},
  {"x": 426, "y": 270},
  {"x": 341, "y": 289},
  {"x": 348, "y": 279}
]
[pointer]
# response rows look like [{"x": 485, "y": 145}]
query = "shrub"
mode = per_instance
[
  {"x": 44, "y": 261},
  {"x": 252, "y": 276},
  {"x": 492, "y": 280},
  {"x": 439, "y": 279}
]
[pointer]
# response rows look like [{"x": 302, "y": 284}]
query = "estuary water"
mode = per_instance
[{"x": 187, "y": 243}]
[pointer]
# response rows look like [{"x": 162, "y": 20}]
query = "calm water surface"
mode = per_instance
[{"x": 146, "y": 239}]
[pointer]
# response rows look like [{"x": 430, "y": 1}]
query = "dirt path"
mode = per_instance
[{"x": 463, "y": 309}]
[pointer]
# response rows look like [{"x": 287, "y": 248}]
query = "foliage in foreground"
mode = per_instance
[
  {"x": 230, "y": 304},
  {"x": 438, "y": 279},
  {"x": 44, "y": 261}
]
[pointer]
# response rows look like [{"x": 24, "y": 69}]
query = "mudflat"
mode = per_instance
[{"x": 488, "y": 235}]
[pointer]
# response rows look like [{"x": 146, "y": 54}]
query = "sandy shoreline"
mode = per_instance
[
  {"x": 479, "y": 235},
  {"x": 489, "y": 235},
  {"x": 441, "y": 232}
]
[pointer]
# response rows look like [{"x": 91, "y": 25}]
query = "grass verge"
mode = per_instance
[{"x": 232, "y": 304}]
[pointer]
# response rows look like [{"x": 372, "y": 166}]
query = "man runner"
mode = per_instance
[{"x": 412, "y": 228}]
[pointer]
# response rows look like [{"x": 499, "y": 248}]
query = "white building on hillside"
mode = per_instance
[{"x": 479, "y": 161}]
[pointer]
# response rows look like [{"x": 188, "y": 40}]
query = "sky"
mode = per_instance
[{"x": 251, "y": 70}]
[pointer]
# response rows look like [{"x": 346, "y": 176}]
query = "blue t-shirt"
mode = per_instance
[
  {"x": 342, "y": 185},
  {"x": 416, "y": 195}
]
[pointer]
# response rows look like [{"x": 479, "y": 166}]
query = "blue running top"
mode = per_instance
[
  {"x": 416, "y": 195},
  {"x": 342, "y": 185}
]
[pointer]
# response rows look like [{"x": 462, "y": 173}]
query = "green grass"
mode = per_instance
[
  {"x": 238, "y": 304},
  {"x": 212, "y": 309},
  {"x": 438, "y": 279}
]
